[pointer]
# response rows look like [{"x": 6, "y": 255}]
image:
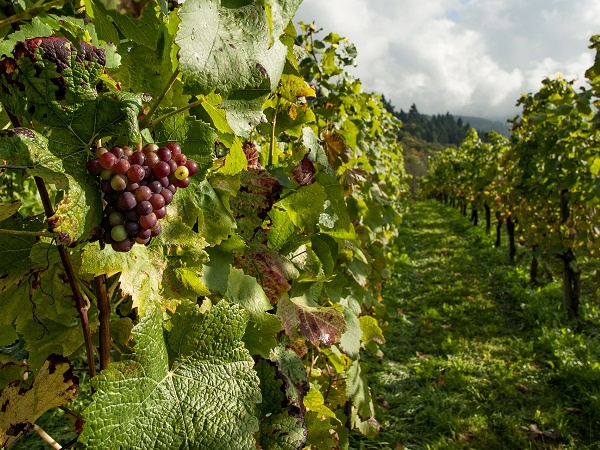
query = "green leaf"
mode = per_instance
[
  {"x": 194, "y": 387},
  {"x": 350, "y": 341},
  {"x": 8, "y": 209},
  {"x": 306, "y": 206},
  {"x": 80, "y": 209},
  {"x": 144, "y": 31},
  {"x": 227, "y": 49},
  {"x": 281, "y": 427},
  {"x": 357, "y": 389},
  {"x": 54, "y": 385},
  {"x": 371, "y": 330},
  {"x": 245, "y": 291}
]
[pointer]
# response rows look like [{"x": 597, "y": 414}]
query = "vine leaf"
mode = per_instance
[
  {"x": 81, "y": 206},
  {"x": 291, "y": 371},
  {"x": 15, "y": 250},
  {"x": 8, "y": 209},
  {"x": 48, "y": 80},
  {"x": 193, "y": 387},
  {"x": 54, "y": 385},
  {"x": 271, "y": 269},
  {"x": 320, "y": 325},
  {"x": 282, "y": 427},
  {"x": 227, "y": 48},
  {"x": 37, "y": 306}
]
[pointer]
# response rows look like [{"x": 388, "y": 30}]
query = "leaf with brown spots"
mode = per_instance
[
  {"x": 320, "y": 325},
  {"x": 271, "y": 269},
  {"x": 55, "y": 385},
  {"x": 336, "y": 149}
]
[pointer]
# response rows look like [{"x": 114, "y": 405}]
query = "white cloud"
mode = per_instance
[{"x": 464, "y": 56}]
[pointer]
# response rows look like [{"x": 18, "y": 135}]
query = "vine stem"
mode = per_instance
[
  {"x": 104, "y": 317},
  {"x": 146, "y": 120},
  {"x": 30, "y": 13},
  {"x": 10, "y": 166},
  {"x": 46, "y": 437},
  {"x": 48, "y": 234},
  {"x": 79, "y": 301},
  {"x": 273, "y": 124},
  {"x": 177, "y": 111}
]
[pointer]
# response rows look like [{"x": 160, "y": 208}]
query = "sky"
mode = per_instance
[{"x": 466, "y": 57}]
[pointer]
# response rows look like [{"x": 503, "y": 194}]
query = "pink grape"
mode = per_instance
[{"x": 148, "y": 221}]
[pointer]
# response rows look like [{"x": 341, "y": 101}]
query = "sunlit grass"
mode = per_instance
[{"x": 475, "y": 357}]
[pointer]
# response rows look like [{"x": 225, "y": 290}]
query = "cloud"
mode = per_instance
[{"x": 471, "y": 57}]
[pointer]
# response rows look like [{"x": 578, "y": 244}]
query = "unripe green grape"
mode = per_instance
[
  {"x": 119, "y": 182},
  {"x": 116, "y": 218},
  {"x": 118, "y": 233}
]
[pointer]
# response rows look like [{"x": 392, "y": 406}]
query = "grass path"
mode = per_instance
[{"x": 475, "y": 358}]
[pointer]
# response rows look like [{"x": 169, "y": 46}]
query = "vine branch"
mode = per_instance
[
  {"x": 147, "y": 119},
  {"x": 177, "y": 111},
  {"x": 79, "y": 301},
  {"x": 104, "y": 317},
  {"x": 30, "y": 13},
  {"x": 48, "y": 234}
]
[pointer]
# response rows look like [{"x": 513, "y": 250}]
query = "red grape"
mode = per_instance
[
  {"x": 123, "y": 246},
  {"x": 174, "y": 147},
  {"x": 126, "y": 201},
  {"x": 148, "y": 221},
  {"x": 137, "y": 158},
  {"x": 192, "y": 166},
  {"x": 164, "y": 154},
  {"x": 136, "y": 173},
  {"x": 107, "y": 160},
  {"x": 182, "y": 183},
  {"x": 121, "y": 166},
  {"x": 157, "y": 201},
  {"x": 94, "y": 167},
  {"x": 144, "y": 208}
]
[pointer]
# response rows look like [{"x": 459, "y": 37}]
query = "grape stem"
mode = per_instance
[
  {"x": 80, "y": 303},
  {"x": 177, "y": 111},
  {"x": 146, "y": 120},
  {"x": 48, "y": 234}
]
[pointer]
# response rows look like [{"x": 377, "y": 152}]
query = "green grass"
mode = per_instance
[{"x": 476, "y": 358}]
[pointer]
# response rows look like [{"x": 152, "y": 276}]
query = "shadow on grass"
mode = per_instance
[{"x": 475, "y": 358}]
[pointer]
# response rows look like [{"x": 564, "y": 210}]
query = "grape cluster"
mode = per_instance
[{"x": 137, "y": 187}]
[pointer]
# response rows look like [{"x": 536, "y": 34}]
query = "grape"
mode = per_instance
[
  {"x": 142, "y": 241},
  {"x": 144, "y": 234},
  {"x": 144, "y": 208},
  {"x": 164, "y": 154},
  {"x": 157, "y": 200},
  {"x": 123, "y": 246},
  {"x": 182, "y": 183},
  {"x": 107, "y": 160},
  {"x": 167, "y": 195},
  {"x": 174, "y": 147},
  {"x": 117, "y": 151},
  {"x": 137, "y": 158},
  {"x": 148, "y": 221},
  {"x": 155, "y": 186},
  {"x": 160, "y": 213},
  {"x": 151, "y": 159},
  {"x": 137, "y": 187},
  {"x": 106, "y": 174},
  {"x": 126, "y": 201},
  {"x": 136, "y": 173},
  {"x": 132, "y": 228},
  {"x": 172, "y": 166},
  {"x": 192, "y": 167},
  {"x": 119, "y": 182},
  {"x": 150, "y": 148},
  {"x": 180, "y": 159},
  {"x": 116, "y": 218},
  {"x": 142, "y": 193},
  {"x": 94, "y": 167},
  {"x": 121, "y": 166},
  {"x": 182, "y": 173},
  {"x": 156, "y": 229},
  {"x": 105, "y": 186},
  {"x": 161, "y": 169},
  {"x": 131, "y": 187},
  {"x": 118, "y": 233},
  {"x": 132, "y": 215}
]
